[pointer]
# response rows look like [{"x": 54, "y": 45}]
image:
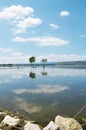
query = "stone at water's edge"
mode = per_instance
[
  {"x": 2, "y": 115},
  {"x": 10, "y": 121},
  {"x": 51, "y": 126},
  {"x": 31, "y": 126},
  {"x": 67, "y": 123},
  {"x": 60, "y": 123}
]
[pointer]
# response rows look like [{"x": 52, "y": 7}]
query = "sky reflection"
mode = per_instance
[
  {"x": 19, "y": 73},
  {"x": 43, "y": 89},
  {"x": 44, "y": 95},
  {"x": 28, "y": 107}
]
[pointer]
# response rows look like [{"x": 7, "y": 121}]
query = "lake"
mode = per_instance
[{"x": 42, "y": 93}]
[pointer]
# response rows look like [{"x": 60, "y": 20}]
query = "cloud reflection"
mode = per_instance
[
  {"x": 43, "y": 89},
  {"x": 5, "y": 81},
  {"x": 22, "y": 104},
  {"x": 66, "y": 72},
  {"x": 52, "y": 72}
]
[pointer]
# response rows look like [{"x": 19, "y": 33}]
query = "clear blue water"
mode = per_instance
[{"x": 49, "y": 92}]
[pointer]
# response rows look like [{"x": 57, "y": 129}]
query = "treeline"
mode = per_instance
[
  {"x": 64, "y": 64},
  {"x": 25, "y": 65},
  {"x": 6, "y": 65},
  {"x": 72, "y": 64}
]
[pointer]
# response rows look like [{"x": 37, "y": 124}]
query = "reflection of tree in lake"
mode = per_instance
[
  {"x": 44, "y": 73},
  {"x": 32, "y": 75}
]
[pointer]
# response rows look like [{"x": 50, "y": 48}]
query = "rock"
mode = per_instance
[
  {"x": 67, "y": 123},
  {"x": 31, "y": 126},
  {"x": 2, "y": 115},
  {"x": 51, "y": 126},
  {"x": 10, "y": 121}
]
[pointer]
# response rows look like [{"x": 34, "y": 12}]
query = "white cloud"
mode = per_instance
[
  {"x": 83, "y": 36},
  {"x": 54, "y": 26},
  {"x": 14, "y": 58},
  {"x": 29, "y": 22},
  {"x": 64, "y": 57},
  {"x": 64, "y": 13},
  {"x": 18, "y": 31},
  {"x": 21, "y": 17},
  {"x": 19, "y": 57},
  {"x": 19, "y": 39},
  {"x": 5, "y": 49},
  {"x": 17, "y": 54},
  {"x": 15, "y": 12},
  {"x": 44, "y": 89},
  {"x": 43, "y": 41}
]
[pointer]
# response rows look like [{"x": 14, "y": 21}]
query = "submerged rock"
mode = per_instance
[
  {"x": 10, "y": 121},
  {"x": 51, "y": 126},
  {"x": 31, "y": 126},
  {"x": 67, "y": 123}
]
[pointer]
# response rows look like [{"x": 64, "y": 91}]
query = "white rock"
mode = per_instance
[
  {"x": 10, "y": 121},
  {"x": 2, "y": 113},
  {"x": 31, "y": 126},
  {"x": 51, "y": 126},
  {"x": 67, "y": 123}
]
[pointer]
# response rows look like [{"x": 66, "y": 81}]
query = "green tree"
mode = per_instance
[
  {"x": 44, "y": 61},
  {"x": 32, "y": 60}
]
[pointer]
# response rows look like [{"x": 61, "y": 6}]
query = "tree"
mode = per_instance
[
  {"x": 32, "y": 59},
  {"x": 44, "y": 61}
]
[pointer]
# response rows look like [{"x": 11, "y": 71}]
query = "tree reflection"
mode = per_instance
[
  {"x": 32, "y": 75},
  {"x": 44, "y": 73}
]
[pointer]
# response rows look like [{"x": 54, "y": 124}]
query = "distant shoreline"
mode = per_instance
[{"x": 66, "y": 64}]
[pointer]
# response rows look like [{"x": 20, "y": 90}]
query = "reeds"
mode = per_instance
[{"x": 79, "y": 111}]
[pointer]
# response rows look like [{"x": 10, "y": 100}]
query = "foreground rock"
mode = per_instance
[
  {"x": 51, "y": 126},
  {"x": 67, "y": 123},
  {"x": 10, "y": 121},
  {"x": 31, "y": 126},
  {"x": 2, "y": 115}
]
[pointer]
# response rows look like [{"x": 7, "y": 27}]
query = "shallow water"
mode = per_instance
[{"x": 41, "y": 94}]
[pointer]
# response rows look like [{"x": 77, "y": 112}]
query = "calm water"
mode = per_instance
[{"x": 43, "y": 95}]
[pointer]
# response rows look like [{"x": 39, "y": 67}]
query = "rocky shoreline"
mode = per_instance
[{"x": 15, "y": 122}]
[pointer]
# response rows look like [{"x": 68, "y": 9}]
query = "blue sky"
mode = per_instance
[{"x": 52, "y": 29}]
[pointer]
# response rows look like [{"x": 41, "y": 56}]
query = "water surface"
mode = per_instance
[{"x": 41, "y": 94}]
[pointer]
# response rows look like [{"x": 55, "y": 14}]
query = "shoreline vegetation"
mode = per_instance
[{"x": 66, "y": 64}]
